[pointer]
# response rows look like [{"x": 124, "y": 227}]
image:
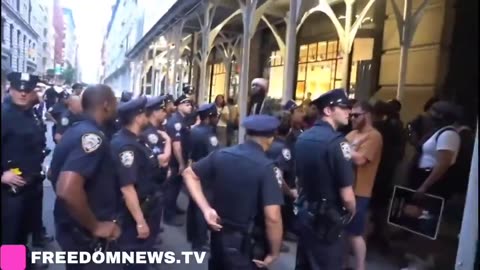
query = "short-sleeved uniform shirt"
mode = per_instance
[
  {"x": 23, "y": 140},
  {"x": 134, "y": 162},
  {"x": 67, "y": 119},
  {"x": 156, "y": 144},
  {"x": 323, "y": 163},
  {"x": 203, "y": 141},
  {"x": 179, "y": 131},
  {"x": 85, "y": 150},
  {"x": 243, "y": 181},
  {"x": 370, "y": 145},
  {"x": 281, "y": 154},
  {"x": 57, "y": 110}
]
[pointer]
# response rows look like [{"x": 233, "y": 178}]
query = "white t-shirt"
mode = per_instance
[{"x": 448, "y": 140}]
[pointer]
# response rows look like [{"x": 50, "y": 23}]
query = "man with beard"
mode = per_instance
[
  {"x": 366, "y": 144},
  {"x": 260, "y": 103}
]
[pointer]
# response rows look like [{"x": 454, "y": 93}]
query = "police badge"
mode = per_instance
[
  {"x": 127, "y": 157},
  {"x": 213, "y": 141},
  {"x": 278, "y": 175},
  {"x": 286, "y": 154},
  {"x": 346, "y": 151},
  {"x": 152, "y": 138},
  {"x": 64, "y": 121},
  {"x": 91, "y": 142}
]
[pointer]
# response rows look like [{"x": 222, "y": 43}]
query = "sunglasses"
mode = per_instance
[{"x": 356, "y": 115}]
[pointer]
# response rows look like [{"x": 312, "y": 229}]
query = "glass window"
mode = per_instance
[
  {"x": 312, "y": 52},
  {"x": 322, "y": 51},
  {"x": 332, "y": 50},
  {"x": 303, "y": 54}
]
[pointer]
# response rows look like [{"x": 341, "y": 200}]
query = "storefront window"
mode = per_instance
[{"x": 219, "y": 80}]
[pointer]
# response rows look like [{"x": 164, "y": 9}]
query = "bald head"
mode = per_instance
[{"x": 99, "y": 98}]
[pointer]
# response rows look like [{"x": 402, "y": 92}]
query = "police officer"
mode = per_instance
[
  {"x": 77, "y": 89},
  {"x": 135, "y": 164},
  {"x": 161, "y": 145},
  {"x": 179, "y": 130},
  {"x": 243, "y": 182},
  {"x": 39, "y": 232},
  {"x": 281, "y": 153},
  {"x": 69, "y": 117},
  {"x": 296, "y": 120},
  {"x": 57, "y": 110},
  {"x": 23, "y": 145},
  {"x": 326, "y": 201},
  {"x": 88, "y": 199},
  {"x": 203, "y": 142}
]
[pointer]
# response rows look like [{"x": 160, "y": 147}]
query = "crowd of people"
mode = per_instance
[{"x": 320, "y": 173}]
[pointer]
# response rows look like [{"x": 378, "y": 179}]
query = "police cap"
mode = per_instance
[
  {"x": 336, "y": 97},
  {"x": 182, "y": 99},
  {"x": 290, "y": 105},
  {"x": 156, "y": 103},
  {"x": 24, "y": 82},
  {"x": 132, "y": 108},
  {"x": 261, "y": 125},
  {"x": 169, "y": 98},
  {"x": 206, "y": 110}
]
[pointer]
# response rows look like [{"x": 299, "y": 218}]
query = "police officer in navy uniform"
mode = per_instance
[
  {"x": 135, "y": 165},
  {"x": 203, "y": 141},
  {"x": 281, "y": 153},
  {"x": 69, "y": 117},
  {"x": 160, "y": 143},
  {"x": 325, "y": 175},
  {"x": 179, "y": 130},
  {"x": 88, "y": 197},
  {"x": 243, "y": 182},
  {"x": 23, "y": 145},
  {"x": 57, "y": 110},
  {"x": 297, "y": 116}
]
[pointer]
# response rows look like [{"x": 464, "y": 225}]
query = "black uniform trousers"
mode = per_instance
[
  {"x": 38, "y": 229},
  {"x": 17, "y": 215},
  {"x": 71, "y": 241},
  {"x": 197, "y": 228},
  {"x": 171, "y": 194},
  {"x": 230, "y": 250},
  {"x": 313, "y": 253}
]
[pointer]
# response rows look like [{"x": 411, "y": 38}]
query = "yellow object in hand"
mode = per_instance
[{"x": 16, "y": 171}]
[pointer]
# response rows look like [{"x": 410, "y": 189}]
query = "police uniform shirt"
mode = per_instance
[
  {"x": 327, "y": 169},
  {"x": 23, "y": 140},
  {"x": 281, "y": 154},
  {"x": 242, "y": 179},
  {"x": 85, "y": 150},
  {"x": 132, "y": 162},
  {"x": 155, "y": 142},
  {"x": 203, "y": 141},
  {"x": 57, "y": 110},
  {"x": 67, "y": 119},
  {"x": 179, "y": 131}
]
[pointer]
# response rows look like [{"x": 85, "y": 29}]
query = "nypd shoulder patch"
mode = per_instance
[
  {"x": 152, "y": 138},
  {"x": 127, "y": 158},
  {"x": 91, "y": 142},
  {"x": 278, "y": 175},
  {"x": 177, "y": 126},
  {"x": 346, "y": 151},
  {"x": 286, "y": 154},
  {"x": 213, "y": 141},
  {"x": 65, "y": 121}
]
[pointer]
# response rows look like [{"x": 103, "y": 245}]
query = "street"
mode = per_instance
[{"x": 174, "y": 238}]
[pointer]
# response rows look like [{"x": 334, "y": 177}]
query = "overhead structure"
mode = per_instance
[{"x": 407, "y": 25}]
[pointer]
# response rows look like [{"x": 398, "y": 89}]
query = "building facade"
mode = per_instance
[
  {"x": 43, "y": 25},
  {"x": 368, "y": 47},
  {"x": 59, "y": 26},
  {"x": 70, "y": 39},
  {"x": 19, "y": 38}
]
